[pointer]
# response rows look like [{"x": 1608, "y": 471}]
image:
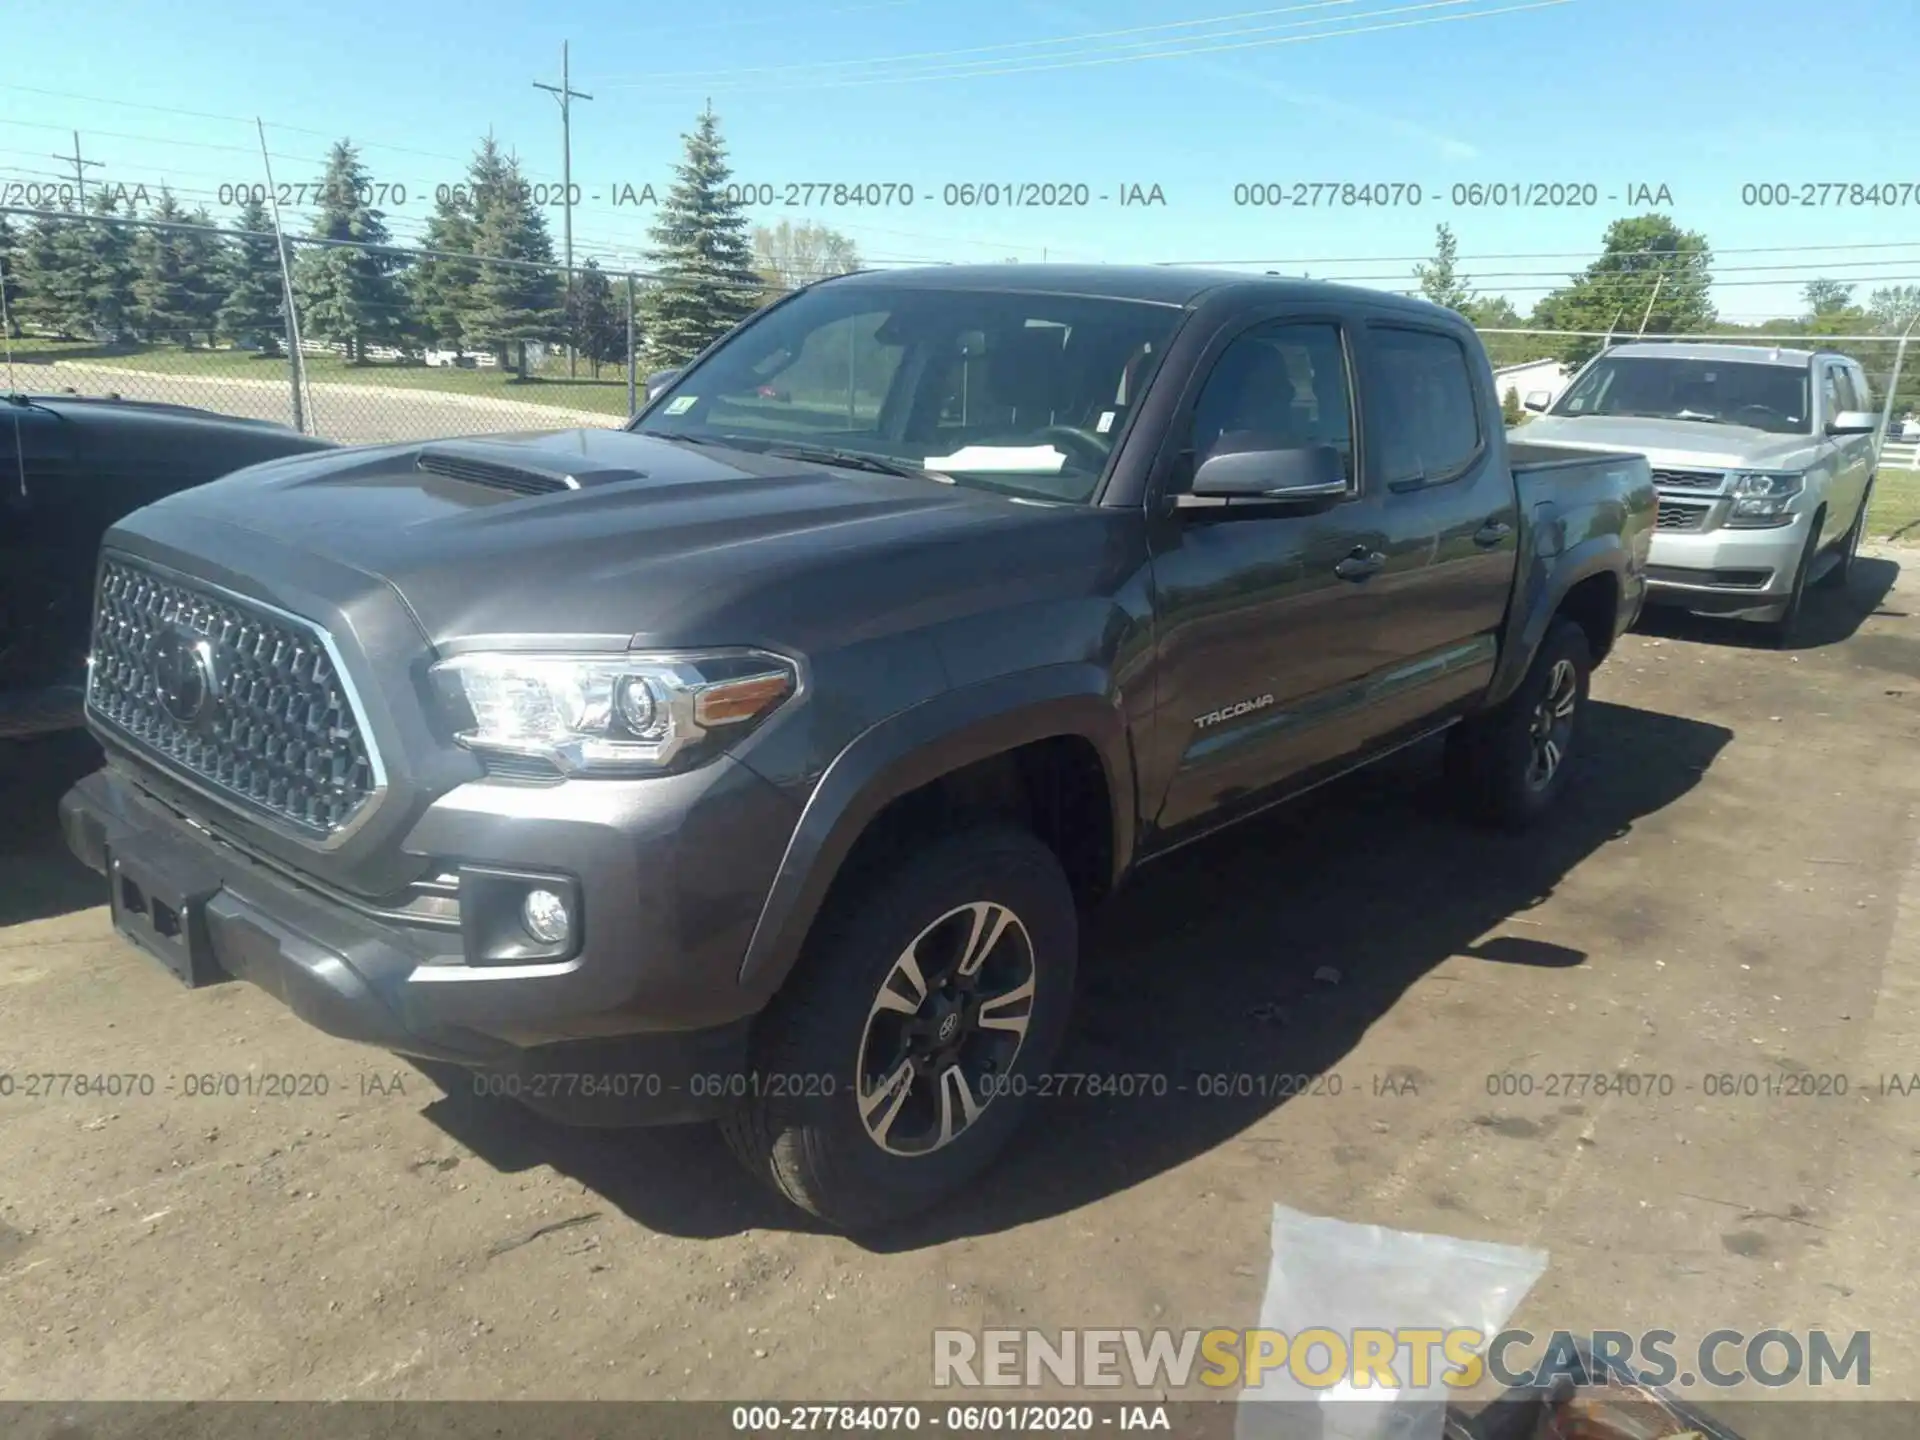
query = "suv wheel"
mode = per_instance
[
  {"x": 1780, "y": 630},
  {"x": 1509, "y": 765},
  {"x": 893, "y": 1066},
  {"x": 1842, "y": 568}
]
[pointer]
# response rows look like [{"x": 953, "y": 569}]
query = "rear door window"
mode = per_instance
[{"x": 1421, "y": 387}]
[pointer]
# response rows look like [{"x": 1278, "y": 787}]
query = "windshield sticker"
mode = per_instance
[
  {"x": 1001, "y": 459},
  {"x": 1106, "y": 422},
  {"x": 680, "y": 404}
]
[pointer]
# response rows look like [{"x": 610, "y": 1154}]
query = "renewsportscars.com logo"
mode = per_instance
[{"x": 1392, "y": 1360}]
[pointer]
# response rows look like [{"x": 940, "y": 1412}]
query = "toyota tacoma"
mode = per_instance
[{"x": 758, "y": 762}]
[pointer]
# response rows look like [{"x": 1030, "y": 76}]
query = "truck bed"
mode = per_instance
[
  {"x": 1534, "y": 456},
  {"x": 1584, "y": 482}
]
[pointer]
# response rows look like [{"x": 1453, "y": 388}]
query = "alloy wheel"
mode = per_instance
[
  {"x": 1551, "y": 728},
  {"x": 944, "y": 1029}
]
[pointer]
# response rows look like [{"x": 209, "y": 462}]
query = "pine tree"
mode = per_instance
[
  {"x": 701, "y": 256},
  {"x": 163, "y": 290},
  {"x": 10, "y": 251},
  {"x": 107, "y": 270},
  {"x": 1440, "y": 279},
  {"x": 597, "y": 327},
  {"x": 347, "y": 293},
  {"x": 205, "y": 251},
  {"x": 42, "y": 267},
  {"x": 511, "y": 303},
  {"x": 440, "y": 287},
  {"x": 253, "y": 307}
]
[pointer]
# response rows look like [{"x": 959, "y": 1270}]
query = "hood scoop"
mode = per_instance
[{"x": 523, "y": 476}]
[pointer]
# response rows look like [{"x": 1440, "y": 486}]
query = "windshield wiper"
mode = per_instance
[
  {"x": 730, "y": 442},
  {"x": 854, "y": 460}
]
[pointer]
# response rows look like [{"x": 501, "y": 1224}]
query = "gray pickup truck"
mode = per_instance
[
  {"x": 1763, "y": 457},
  {"x": 756, "y": 763}
]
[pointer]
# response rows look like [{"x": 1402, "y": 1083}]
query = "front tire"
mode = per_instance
[
  {"x": 1841, "y": 570},
  {"x": 1508, "y": 766},
  {"x": 896, "y": 1060},
  {"x": 1780, "y": 631}
]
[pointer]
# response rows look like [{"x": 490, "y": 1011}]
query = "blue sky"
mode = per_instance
[{"x": 1702, "y": 97}]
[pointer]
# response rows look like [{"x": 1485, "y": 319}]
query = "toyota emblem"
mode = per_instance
[{"x": 183, "y": 675}]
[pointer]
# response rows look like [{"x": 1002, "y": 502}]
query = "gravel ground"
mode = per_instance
[{"x": 1731, "y": 890}]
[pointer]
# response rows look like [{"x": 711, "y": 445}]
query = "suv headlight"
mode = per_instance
[
  {"x": 631, "y": 714},
  {"x": 1762, "y": 499}
]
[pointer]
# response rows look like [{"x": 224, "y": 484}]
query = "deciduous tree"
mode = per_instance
[{"x": 1648, "y": 267}]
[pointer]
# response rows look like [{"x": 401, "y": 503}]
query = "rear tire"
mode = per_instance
[
  {"x": 1509, "y": 765},
  {"x": 899, "y": 1054}
]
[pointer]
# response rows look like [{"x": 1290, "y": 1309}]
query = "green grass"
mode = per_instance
[
  {"x": 607, "y": 395},
  {"x": 1895, "y": 512}
]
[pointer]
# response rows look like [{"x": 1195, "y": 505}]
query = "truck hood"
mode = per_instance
[
  {"x": 604, "y": 538},
  {"x": 1683, "y": 444}
]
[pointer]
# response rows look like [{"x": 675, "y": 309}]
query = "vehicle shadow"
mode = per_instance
[
  {"x": 39, "y": 878},
  {"x": 1829, "y": 617},
  {"x": 1205, "y": 966}
]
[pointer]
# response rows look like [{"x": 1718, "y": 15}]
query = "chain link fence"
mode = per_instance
[
  {"x": 398, "y": 343},
  {"x": 384, "y": 343}
]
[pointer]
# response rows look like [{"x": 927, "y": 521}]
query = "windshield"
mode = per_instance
[
  {"x": 1023, "y": 393},
  {"x": 1717, "y": 392}
]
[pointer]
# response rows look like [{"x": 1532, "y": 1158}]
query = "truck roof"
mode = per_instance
[
  {"x": 1156, "y": 284},
  {"x": 1757, "y": 354}
]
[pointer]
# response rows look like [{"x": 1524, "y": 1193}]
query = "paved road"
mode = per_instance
[
  {"x": 352, "y": 414},
  {"x": 1731, "y": 892}
]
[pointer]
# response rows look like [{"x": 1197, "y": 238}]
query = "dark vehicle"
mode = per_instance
[
  {"x": 69, "y": 468},
  {"x": 756, "y": 763}
]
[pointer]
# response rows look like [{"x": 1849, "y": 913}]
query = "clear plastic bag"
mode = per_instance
[{"x": 1334, "y": 1275}]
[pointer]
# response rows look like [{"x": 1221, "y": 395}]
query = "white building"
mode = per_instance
[{"x": 1548, "y": 375}]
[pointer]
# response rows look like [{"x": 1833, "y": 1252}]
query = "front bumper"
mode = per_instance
[
  {"x": 634, "y": 1029},
  {"x": 1724, "y": 571}
]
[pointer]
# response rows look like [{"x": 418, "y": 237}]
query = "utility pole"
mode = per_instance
[
  {"x": 566, "y": 95},
  {"x": 80, "y": 167}
]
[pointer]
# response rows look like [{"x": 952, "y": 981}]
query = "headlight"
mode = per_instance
[
  {"x": 611, "y": 714},
  {"x": 1762, "y": 499}
]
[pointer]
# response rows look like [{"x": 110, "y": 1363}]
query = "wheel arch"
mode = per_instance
[
  {"x": 1584, "y": 585},
  {"x": 1049, "y": 746}
]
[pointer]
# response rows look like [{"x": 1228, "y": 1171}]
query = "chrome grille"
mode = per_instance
[
  {"x": 1676, "y": 515},
  {"x": 245, "y": 699},
  {"x": 1710, "y": 480}
]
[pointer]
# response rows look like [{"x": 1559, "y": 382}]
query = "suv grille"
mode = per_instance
[
  {"x": 1711, "y": 480},
  {"x": 243, "y": 698},
  {"x": 1678, "y": 515}
]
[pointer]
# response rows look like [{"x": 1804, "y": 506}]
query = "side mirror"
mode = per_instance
[
  {"x": 659, "y": 381},
  {"x": 1537, "y": 401},
  {"x": 1293, "y": 473},
  {"x": 1853, "y": 422}
]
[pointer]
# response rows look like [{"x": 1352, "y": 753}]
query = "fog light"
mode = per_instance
[{"x": 544, "y": 914}]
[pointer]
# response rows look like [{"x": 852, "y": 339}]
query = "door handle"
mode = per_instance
[
  {"x": 1361, "y": 564},
  {"x": 1491, "y": 534}
]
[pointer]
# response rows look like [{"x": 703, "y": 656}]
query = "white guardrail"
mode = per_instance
[{"x": 1901, "y": 454}]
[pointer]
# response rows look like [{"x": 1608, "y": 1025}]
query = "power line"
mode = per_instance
[
  {"x": 80, "y": 167},
  {"x": 625, "y": 81},
  {"x": 1555, "y": 254},
  {"x": 1137, "y": 56},
  {"x": 566, "y": 95}
]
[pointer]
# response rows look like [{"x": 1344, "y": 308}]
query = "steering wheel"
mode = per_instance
[
  {"x": 1083, "y": 445},
  {"x": 1765, "y": 412}
]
